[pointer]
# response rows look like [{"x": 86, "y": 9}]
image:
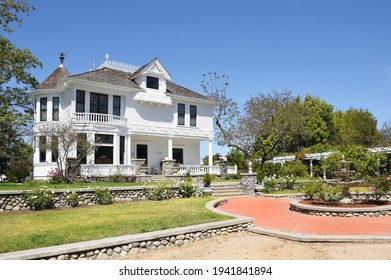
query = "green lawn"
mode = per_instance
[
  {"x": 21, "y": 231},
  {"x": 5, "y": 186}
]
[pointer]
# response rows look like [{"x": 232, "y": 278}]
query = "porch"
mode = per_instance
[{"x": 106, "y": 170}]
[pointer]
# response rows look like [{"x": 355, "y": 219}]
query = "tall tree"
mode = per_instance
[
  {"x": 320, "y": 122},
  {"x": 356, "y": 127},
  {"x": 268, "y": 122},
  {"x": 16, "y": 108},
  {"x": 276, "y": 120}
]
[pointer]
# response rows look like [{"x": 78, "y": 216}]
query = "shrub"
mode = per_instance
[
  {"x": 320, "y": 191},
  {"x": 104, "y": 196},
  {"x": 270, "y": 184},
  {"x": 295, "y": 168},
  {"x": 330, "y": 193},
  {"x": 207, "y": 179},
  {"x": 73, "y": 199},
  {"x": 40, "y": 199},
  {"x": 289, "y": 183},
  {"x": 186, "y": 189},
  {"x": 311, "y": 189},
  {"x": 233, "y": 177},
  {"x": 55, "y": 177},
  {"x": 159, "y": 193},
  {"x": 116, "y": 178},
  {"x": 379, "y": 186}
]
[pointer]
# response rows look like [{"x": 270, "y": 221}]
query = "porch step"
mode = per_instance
[
  {"x": 159, "y": 178},
  {"x": 227, "y": 190}
]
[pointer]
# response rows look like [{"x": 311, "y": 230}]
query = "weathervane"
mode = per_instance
[{"x": 62, "y": 57}]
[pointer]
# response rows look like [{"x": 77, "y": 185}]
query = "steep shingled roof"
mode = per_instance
[
  {"x": 181, "y": 91},
  {"x": 55, "y": 79},
  {"x": 108, "y": 76}
]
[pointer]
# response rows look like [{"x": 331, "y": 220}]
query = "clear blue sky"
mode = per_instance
[{"x": 339, "y": 50}]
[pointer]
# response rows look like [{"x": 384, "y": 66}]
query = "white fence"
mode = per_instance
[
  {"x": 202, "y": 169},
  {"x": 104, "y": 170}
]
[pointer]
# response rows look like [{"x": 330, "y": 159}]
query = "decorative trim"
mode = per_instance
[{"x": 119, "y": 66}]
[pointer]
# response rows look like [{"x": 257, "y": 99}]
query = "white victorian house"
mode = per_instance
[{"x": 130, "y": 112}]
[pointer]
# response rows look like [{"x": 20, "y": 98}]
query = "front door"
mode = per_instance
[{"x": 142, "y": 152}]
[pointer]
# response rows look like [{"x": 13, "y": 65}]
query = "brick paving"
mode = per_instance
[{"x": 274, "y": 214}]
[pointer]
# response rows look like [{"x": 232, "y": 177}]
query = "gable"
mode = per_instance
[{"x": 155, "y": 68}]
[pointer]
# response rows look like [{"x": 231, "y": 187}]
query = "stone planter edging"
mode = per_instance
[
  {"x": 375, "y": 211},
  {"x": 16, "y": 201}
]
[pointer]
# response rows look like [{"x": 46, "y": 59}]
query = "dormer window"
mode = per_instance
[{"x": 152, "y": 82}]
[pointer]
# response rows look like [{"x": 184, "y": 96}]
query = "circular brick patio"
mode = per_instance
[{"x": 274, "y": 214}]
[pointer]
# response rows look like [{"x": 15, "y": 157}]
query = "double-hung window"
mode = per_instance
[
  {"x": 80, "y": 101},
  {"x": 193, "y": 115},
  {"x": 99, "y": 103},
  {"x": 42, "y": 148},
  {"x": 43, "y": 109},
  {"x": 116, "y": 105},
  {"x": 56, "y": 109},
  {"x": 181, "y": 114}
]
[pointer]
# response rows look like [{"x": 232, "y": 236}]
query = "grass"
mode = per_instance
[
  {"x": 21, "y": 231},
  {"x": 5, "y": 186}
]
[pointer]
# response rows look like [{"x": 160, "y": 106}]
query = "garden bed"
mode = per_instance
[
  {"x": 357, "y": 204},
  {"x": 359, "y": 210}
]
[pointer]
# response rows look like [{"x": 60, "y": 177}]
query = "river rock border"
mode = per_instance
[
  {"x": 117, "y": 247},
  {"x": 376, "y": 211},
  {"x": 16, "y": 200}
]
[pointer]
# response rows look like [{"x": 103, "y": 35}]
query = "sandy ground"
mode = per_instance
[{"x": 251, "y": 246}]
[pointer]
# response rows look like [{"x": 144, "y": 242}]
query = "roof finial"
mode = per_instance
[
  {"x": 62, "y": 57},
  {"x": 107, "y": 56}
]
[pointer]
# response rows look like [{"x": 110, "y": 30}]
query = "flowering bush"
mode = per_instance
[
  {"x": 73, "y": 199},
  {"x": 379, "y": 187},
  {"x": 55, "y": 177},
  {"x": 159, "y": 193},
  {"x": 284, "y": 183},
  {"x": 186, "y": 189},
  {"x": 39, "y": 199},
  {"x": 319, "y": 191},
  {"x": 270, "y": 184}
]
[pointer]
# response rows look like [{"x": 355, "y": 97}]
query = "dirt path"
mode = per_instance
[{"x": 250, "y": 246}]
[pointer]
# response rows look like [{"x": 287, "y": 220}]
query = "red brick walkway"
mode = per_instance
[{"x": 275, "y": 214}]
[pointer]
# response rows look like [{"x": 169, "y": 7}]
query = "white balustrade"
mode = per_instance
[
  {"x": 232, "y": 169},
  {"x": 104, "y": 170},
  {"x": 199, "y": 169},
  {"x": 98, "y": 118}
]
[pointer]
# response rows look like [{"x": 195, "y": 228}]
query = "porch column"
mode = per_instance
[
  {"x": 129, "y": 149},
  {"x": 91, "y": 154},
  {"x": 36, "y": 153},
  {"x": 210, "y": 161},
  {"x": 170, "y": 148},
  {"x": 116, "y": 150}
]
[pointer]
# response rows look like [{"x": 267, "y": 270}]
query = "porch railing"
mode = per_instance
[
  {"x": 199, "y": 169},
  {"x": 98, "y": 118},
  {"x": 202, "y": 169},
  {"x": 105, "y": 170},
  {"x": 232, "y": 169}
]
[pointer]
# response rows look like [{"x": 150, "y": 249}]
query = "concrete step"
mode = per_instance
[
  {"x": 227, "y": 191},
  {"x": 159, "y": 178}
]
